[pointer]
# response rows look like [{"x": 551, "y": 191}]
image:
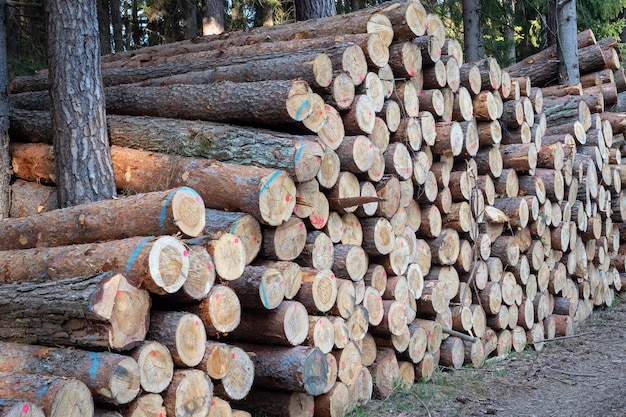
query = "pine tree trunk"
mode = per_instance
[
  {"x": 314, "y": 9},
  {"x": 5, "y": 157},
  {"x": 567, "y": 47},
  {"x": 83, "y": 161},
  {"x": 473, "y": 38}
]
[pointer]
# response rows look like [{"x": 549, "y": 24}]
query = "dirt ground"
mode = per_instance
[{"x": 583, "y": 376}]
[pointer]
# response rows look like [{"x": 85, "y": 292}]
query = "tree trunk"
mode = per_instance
[
  {"x": 190, "y": 24},
  {"x": 116, "y": 23},
  {"x": 5, "y": 157},
  {"x": 57, "y": 396},
  {"x": 567, "y": 47},
  {"x": 104, "y": 26},
  {"x": 314, "y": 9},
  {"x": 83, "y": 161},
  {"x": 102, "y": 312},
  {"x": 473, "y": 38},
  {"x": 112, "y": 378}
]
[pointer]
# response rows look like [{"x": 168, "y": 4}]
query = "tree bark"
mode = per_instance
[
  {"x": 83, "y": 161},
  {"x": 567, "y": 47},
  {"x": 314, "y": 9},
  {"x": 212, "y": 17},
  {"x": 144, "y": 214},
  {"x": 57, "y": 396},
  {"x": 5, "y": 157},
  {"x": 101, "y": 312},
  {"x": 111, "y": 378},
  {"x": 158, "y": 264},
  {"x": 10, "y": 407},
  {"x": 298, "y": 155},
  {"x": 473, "y": 39}
]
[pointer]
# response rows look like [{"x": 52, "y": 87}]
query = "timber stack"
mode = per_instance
[{"x": 315, "y": 212}]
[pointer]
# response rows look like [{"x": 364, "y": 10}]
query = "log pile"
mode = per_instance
[{"x": 311, "y": 218}]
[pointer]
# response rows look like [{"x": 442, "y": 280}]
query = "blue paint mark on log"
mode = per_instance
[
  {"x": 234, "y": 228},
  {"x": 163, "y": 209},
  {"x": 95, "y": 364},
  {"x": 133, "y": 257},
  {"x": 300, "y": 151},
  {"x": 305, "y": 105},
  {"x": 269, "y": 181}
]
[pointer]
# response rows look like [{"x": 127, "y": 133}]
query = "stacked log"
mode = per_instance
[{"x": 371, "y": 207}]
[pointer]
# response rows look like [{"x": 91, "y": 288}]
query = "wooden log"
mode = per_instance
[
  {"x": 183, "y": 333},
  {"x": 542, "y": 67},
  {"x": 269, "y": 194},
  {"x": 200, "y": 278},
  {"x": 519, "y": 157},
  {"x": 203, "y": 102},
  {"x": 28, "y": 198},
  {"x": 189, "y": 394},
  {"x": 284, "y": 242},
  {"x": 445, "y": 248},
  {"x": 111, "y": 378},
  {"x": 56, "y": 396},
  {"x": 242, "y": 225},
  {"x": 278, "y": 402},
  {"x": 159, "y": 265},
  {"x": 145, "y": 405},
  {"x": 286, "y": 325},
  {"x": 319, "y": 290},
  {"x": 298, "y": 155},
  {"x": 237, "y": 382},
  {"x": 156, "y": 366},
  {"x": 106, "y": 307},
  {"x": 59, "y": 228},
  {"x": 259, "y": 287},
  {"x": 452, "y": 352},
  {"x": 385, "y": 370},
  {"x": 228, "y": 254},
  {"x": 220, "y": 311},
  {"x": 298, "y": 368},
  {"x": 10, "y": 407}
]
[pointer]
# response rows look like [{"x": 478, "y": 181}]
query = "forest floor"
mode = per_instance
[{"x": 583, "y": 376}]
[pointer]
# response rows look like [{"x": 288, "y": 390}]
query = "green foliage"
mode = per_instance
[{"x": 602, "y": 16}]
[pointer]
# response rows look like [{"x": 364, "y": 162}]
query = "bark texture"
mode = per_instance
[{"x": 83, "y": 161}]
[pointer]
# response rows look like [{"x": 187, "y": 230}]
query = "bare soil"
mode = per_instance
[{"x": 582, "y": 376}]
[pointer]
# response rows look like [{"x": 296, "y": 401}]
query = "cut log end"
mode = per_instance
[
  {"x": 188, "y": 211},
  {"x": 19, "y": 408},
  {"x": 126, "y": 307},
  {"x": 277, "y": 198},
  {"x": 169, "y": 265}
]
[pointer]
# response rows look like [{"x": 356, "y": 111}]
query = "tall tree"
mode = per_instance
[
  {"x": 83, "y": 168},
  {"x": 212, "y": 17},
  {"x": 473, "y": 38},
  {"x": 314, "y": 9},
  {"x": 509, "y": 31},
  {"x": 190, "y": 24},
  {"x": 5, "y": 158},
  {"x": 567, "y": 45},
  {"x": 117, "y": 24},
  {"x": 104, "y": 21}
]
